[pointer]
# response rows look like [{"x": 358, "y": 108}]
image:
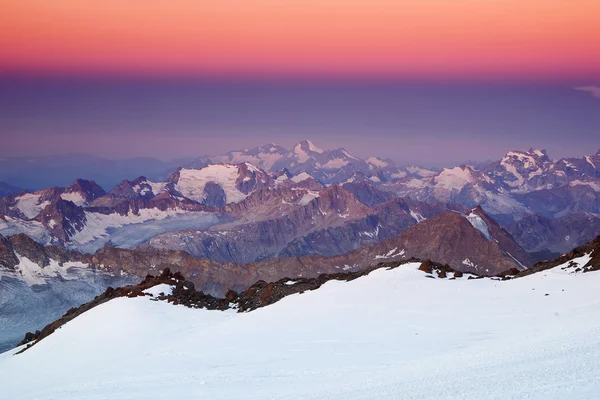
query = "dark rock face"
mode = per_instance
[
  {"x": 8, "y": 259},
  {"x": 385, "y": 221},
  {"x": 27, "y": 247},
  {"x": 63, "y": 219},
  {"x": 554, "y": 203},
  {"x": 39, "y": 254},
  {"x": 537, "y": 233},
  {"x": 133, "y": 190},
  {"x": 251, "y": 178},
  {"x": 451, "y": 239},
  {"x": 215, "y": 195},
  {"x": 368, "y": 194},
  {"x": 504, "y": 239},
  {"x": 89, "y": 190}
]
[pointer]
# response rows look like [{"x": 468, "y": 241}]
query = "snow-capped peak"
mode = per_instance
[
  {"x": 537, "y": 152},
  {"x": 192, "y": 183},
  {"x": 306, "y": 149},
  {"x": 455, "y": 178},
  {"x": 312, "y": 147},
  {"x": 377, "y": 162}
]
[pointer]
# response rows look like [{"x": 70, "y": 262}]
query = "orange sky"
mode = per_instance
[{"x": 439, "y": 38}]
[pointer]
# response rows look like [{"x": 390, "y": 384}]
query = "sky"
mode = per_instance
[{"x": 443, "y": 80}]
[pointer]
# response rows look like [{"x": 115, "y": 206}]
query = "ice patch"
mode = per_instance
[
  {"x": 418, "y": 217},
  {"x": 479, "y": 224},
  {"x": 308, "y": 197},
  {"x": 390, "y": 254},
  {"x": 301, "y": 177}
]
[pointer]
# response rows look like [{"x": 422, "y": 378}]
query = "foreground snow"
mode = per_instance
[{"x": 393, "y": 334}]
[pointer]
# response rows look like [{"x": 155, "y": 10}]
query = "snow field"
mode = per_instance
[{"x": 392, "y": 334}]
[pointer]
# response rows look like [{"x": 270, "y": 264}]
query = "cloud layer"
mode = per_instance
[{"x": 593, "y": 90}]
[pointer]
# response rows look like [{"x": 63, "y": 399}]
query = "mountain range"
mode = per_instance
[{"x": 267, "y": 213}]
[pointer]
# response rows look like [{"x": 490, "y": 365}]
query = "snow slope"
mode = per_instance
[
  {"x": 393, "y": 334},
  {"x": 29, "y": 204}
]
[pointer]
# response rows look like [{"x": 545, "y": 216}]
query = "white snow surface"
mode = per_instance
[
  {"x": 393, "y": 334},
  {"x": 75, "y": 197},
  {"x": 191, "y": 182},
  {"x": 314, "y": 148},
  {"x": 376, "y": 161},
  {"x": 454, "y": 178},
  {"x": 335, "y": 163}
]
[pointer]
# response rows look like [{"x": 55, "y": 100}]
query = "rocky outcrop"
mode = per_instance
[
  {"x": 8, "y": 258},
  {"x": 62, "y": 219},
  {"x": 591, "y": 248}
]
